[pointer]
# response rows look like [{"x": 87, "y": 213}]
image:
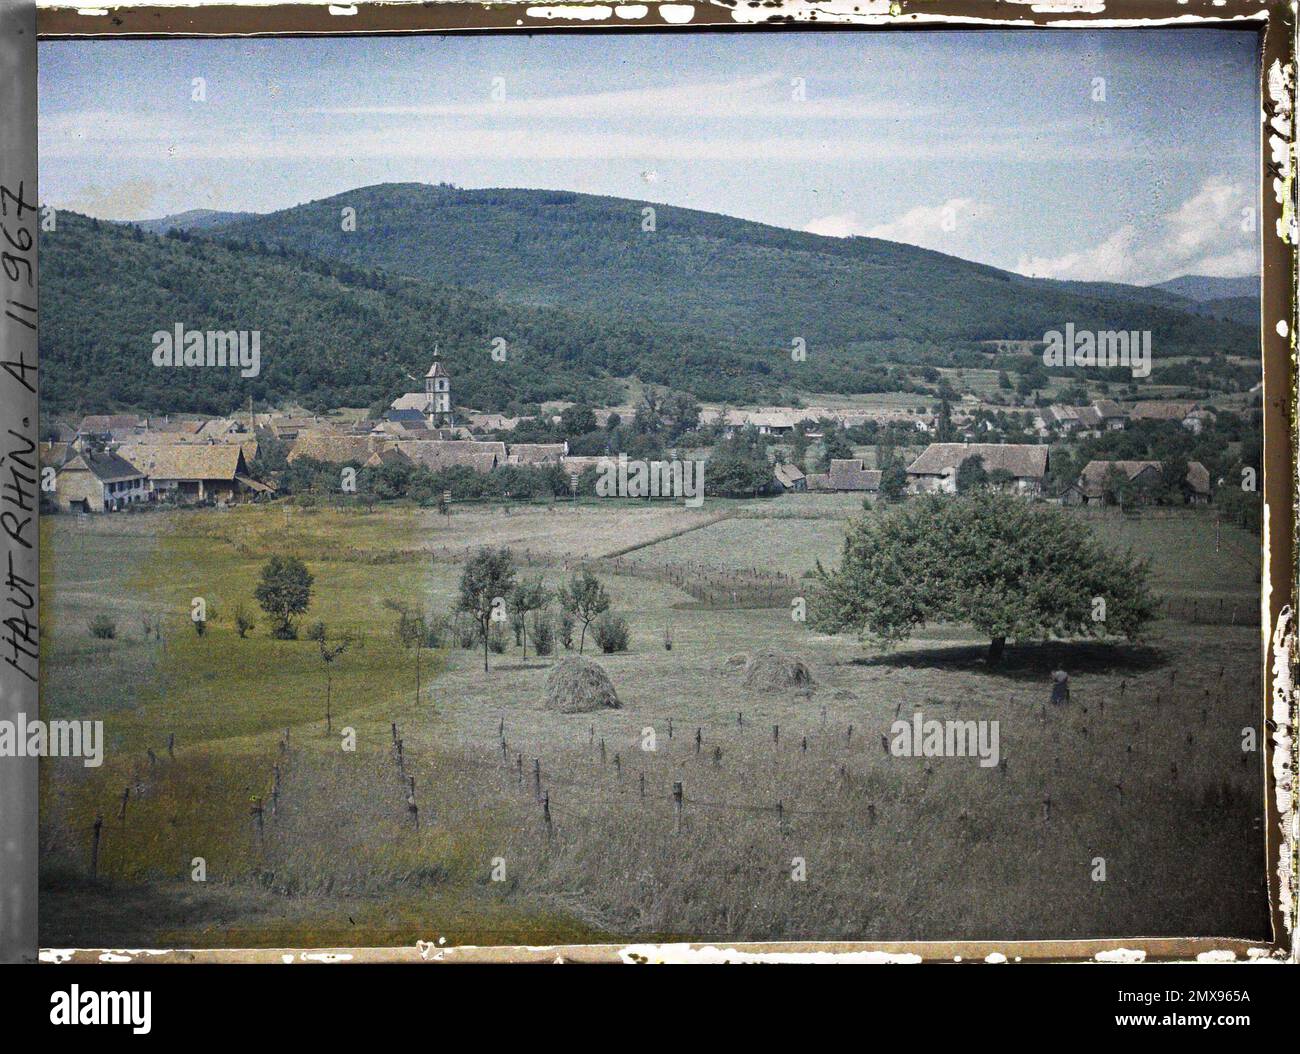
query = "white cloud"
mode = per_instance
[
  {"x": 929, "y": 226},
  {"x": 837, "y": 225},
  {"x": 1210, "y": 233},
  {"x": 1111, "y": 261},
  {"x": 753, "y": 98},
  {"x": 940, "y": 226}
]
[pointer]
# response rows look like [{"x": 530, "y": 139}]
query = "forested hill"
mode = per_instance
[
  {"x": 331, "y": 334},
  {"x": 715, "y": 274}
]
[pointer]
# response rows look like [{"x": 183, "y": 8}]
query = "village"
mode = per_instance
[{"x": 115, "y": 462}]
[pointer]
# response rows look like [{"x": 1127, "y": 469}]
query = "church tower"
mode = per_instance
[{"x": 437, "y": 386}]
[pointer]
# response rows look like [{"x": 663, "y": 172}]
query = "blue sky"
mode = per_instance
[{"x": 1117, "y": 155}]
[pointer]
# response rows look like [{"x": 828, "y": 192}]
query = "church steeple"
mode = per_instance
[{"x": 437, "y": 386}]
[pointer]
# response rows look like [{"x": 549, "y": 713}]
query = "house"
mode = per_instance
[
  {"x": 386, "y": 457},
  {"x": 438, "y": 454},
  {"x": 53, "y": 455},
  {"x": 1093, "y": 484},
  {"x": 775, "y": 422},
  {"x": 92, "y": 481},
  {"x": 1113, "y": 417},
  {"x": 936, "y": 468},
  {"x": 790, "y": 477},
  {"x": 334, "y": 449},
  {"x": 1188, "y": 414},
  {"x": 104, "y": 427},
  {"x": 288, "y": 429},
  {"x": 406, "y": 418},
  {"x": 577, "y": 464},
  {"x": 1197, "y": 484},
  {"x": 58, "y": 432},
  {"x": 1070, "y": 420},
  {"x": 485, "y": 422},
  {"x": 193, "y": 472},
  {"x": 852, "y": 474},
  {"x": 537, "y": 453}
]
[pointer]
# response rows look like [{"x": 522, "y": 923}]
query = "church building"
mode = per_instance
[{"x": 434, "y": 403}]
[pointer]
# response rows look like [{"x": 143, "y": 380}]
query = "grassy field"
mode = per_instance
[{"x": 1143, "y": 768}]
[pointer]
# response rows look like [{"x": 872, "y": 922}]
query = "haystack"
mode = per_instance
[
  {"x": 773, "y": 669},
  {"x": 576, "y": 685}
]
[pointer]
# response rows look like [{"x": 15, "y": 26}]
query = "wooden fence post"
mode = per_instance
[
  {"x": 411, "y": 807},
  {"x": 94, "y": 847},
  {"x": 677, "y": 802},
  {"x": 171, "y": 744},
  {"x": 256, "y": 810},
  {"x": 121, "y": 813},
  {"x": 519, "y": 769},
  {"x": 776, "y": 735},
  {"x": 546, "y": 815},
  {"x": 537, "y": 779},
  {"x": 699, "y": 740}
]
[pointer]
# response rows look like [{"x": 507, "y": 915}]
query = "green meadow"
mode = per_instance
[{"x": 1143, "y": 768}]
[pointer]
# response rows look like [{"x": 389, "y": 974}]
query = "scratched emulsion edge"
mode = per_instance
[
  {"x": 18, "y": 475},
  {"x": 76, "y": 18}
]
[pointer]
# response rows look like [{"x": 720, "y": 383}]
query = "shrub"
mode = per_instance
[
  {"x": 316, "y": 632},
  {"x": 610, "y": 633},
  {"x": 496, "y": 640},
  {"x": 243, "y": 623},
  {"x": 436, "y": 631},
  {"x": 567, "y": 623},
  {"x": 543, "y": 633},
  {"x": 467, "y": 631},
  {"x": 103, "y": 627}
]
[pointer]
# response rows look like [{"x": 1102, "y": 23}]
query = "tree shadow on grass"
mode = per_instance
[{"x": 1027, "y": 662}]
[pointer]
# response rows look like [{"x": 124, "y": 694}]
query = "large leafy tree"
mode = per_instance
[
  {"x": 485, "y": 585},
  {"x": 971, "y": 474},
  {"x": 835, "y": 447},
  {"x": 1011, "y": 569},
  {"x": 284, "y": 591},
  {"x": 738, "y": 466}
]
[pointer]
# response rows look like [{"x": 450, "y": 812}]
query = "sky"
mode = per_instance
[{"x": 1121, "y": 155}]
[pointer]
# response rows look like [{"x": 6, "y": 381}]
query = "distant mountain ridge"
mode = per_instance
[
  {"x": 192, "y": 220},
  {"x": 584, "y": 294},
  {"x": 330, "y": 335},
  {"x": 715, "y": 275},
  {"x": 1201, "y": 287}
]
